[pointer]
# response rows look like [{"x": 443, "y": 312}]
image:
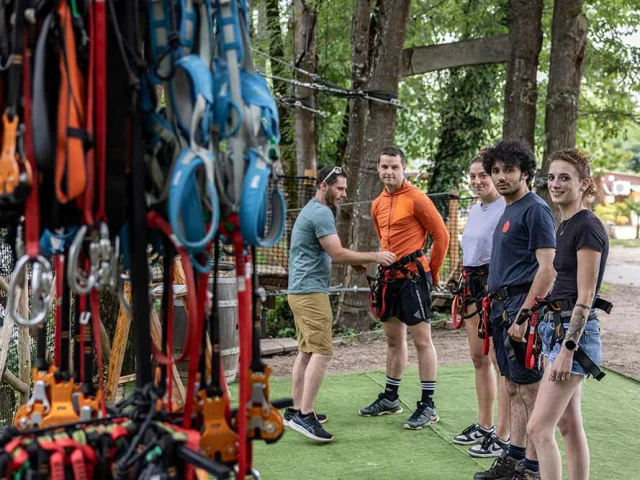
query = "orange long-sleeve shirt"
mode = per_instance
[{"x": 402, "y": 221}]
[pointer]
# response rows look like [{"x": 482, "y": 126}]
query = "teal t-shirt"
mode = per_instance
[{"x": 309, "y": 264}]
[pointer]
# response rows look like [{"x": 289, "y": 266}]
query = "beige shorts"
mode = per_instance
[{"x": 314, "y": 319}]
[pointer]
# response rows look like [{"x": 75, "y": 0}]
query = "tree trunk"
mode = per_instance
[
  {"x": 568, "y": 45},
  {"x": 276, "y": 50},
  {"x": 372, "y": 128},
  {"x": 305, "y": 40},
  {"x": 357, "y": 121},
  {"x": 521, "y": 90}
]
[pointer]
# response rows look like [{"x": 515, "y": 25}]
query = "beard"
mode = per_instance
[{"x": 331, "y": 199}]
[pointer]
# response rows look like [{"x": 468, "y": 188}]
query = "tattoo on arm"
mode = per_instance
[
  {"x": 576, "y": 325},
  {"x": 580, "y": 314}
]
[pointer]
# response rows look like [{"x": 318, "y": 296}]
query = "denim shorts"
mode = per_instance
[{"x": 590, "y": 342}]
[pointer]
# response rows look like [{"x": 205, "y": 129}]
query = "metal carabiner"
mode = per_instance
[
  {"x": 103, "y": 259},
  {"x": 41, "y": 282},
  {"x": 79, "y": 281}
]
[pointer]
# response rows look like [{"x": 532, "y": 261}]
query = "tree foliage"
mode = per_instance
[{"x": 469, "y": 100}]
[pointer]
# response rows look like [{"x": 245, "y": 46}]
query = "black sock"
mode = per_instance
[
  {"x": 304, "y": 415},
  {"x": 532, "y": 465},
  {"x": 292, "y": 410},
  {"x": 515, "y": 452},
  {"x": 391, "y": 388},
  {"x": 428, "y": 387}
]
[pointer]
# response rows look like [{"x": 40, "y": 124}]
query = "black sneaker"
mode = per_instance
[
  {"x": 290, "y": 412},
  {"x": 522, "y": 473},
  {"x": 423, "y": 416},
  {"x": 310, "y": 427},
  {"x": 491, "y": 446},
  {"x": 472, "y": 435},
  {"x": 503, "y": 468},
  {"x": 382, "y": 406}
]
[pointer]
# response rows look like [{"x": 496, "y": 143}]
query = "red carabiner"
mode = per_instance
[
  {"x": 530, "y": 358},
  {"x": 484, "y": 325}
]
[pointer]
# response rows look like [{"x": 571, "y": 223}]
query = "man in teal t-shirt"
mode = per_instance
[{"x": 314, "y": 246}]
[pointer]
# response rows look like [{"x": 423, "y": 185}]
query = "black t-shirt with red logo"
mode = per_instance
[
  {"x": 526, "y": 225},
  {"x": 582, "y": 230}
]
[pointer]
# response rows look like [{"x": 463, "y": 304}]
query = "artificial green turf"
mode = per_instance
[{"x": 379, "y": 448}]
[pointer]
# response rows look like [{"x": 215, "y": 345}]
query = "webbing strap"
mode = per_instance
[
  {"x": 71, "y": 174},
  {"x": 32, "y": 217},
  {"x": 94, "y": 298}
]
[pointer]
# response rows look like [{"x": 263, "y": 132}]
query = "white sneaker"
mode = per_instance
[
  {"x": 491, "y": 446},
  {"x": 472, "y": 435}
]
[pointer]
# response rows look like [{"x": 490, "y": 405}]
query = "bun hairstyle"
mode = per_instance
[
  {"x": 478, "y": 158},
  {"x": 580, "y": 160}
]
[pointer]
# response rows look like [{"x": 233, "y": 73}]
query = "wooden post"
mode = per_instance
[
  {"x": 455, "y": 262},
  {"x": 119, "y": 347},
  {"x": 24, "y": 344}
]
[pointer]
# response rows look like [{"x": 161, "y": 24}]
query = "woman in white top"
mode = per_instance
[{"x": 486, "y": 440}]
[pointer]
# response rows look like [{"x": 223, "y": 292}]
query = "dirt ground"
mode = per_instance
[{"x": 620, "y": 334}]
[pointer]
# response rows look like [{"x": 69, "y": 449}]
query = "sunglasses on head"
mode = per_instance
[{"x": 336, "y": 170}]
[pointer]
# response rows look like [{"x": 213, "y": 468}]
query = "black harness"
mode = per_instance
[
  {"x": 561, "y": 310},
  {"x": 386, "y": 275}
]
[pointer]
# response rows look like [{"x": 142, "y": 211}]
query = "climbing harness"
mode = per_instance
[
  {"x": 130, "y": 124},
  {"x": 388, "y": 275},
  {"x": 471, "y": 278}
]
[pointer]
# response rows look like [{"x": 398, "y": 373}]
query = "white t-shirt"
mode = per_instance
[{"x": 477, "y": 237}]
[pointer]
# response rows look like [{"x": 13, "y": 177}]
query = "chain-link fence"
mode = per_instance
[{"x": 273, "y": 262}]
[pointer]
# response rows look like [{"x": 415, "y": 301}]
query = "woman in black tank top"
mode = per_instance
[{"x": 582, "y": 247}]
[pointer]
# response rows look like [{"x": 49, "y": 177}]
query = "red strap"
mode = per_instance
[
  {"x": 89, "y": 192},
  {"x": 100, "y": 53},
  {"x": 118, "y": 432},
  {"x": 530, "y": 359},
  {"x": 245, "y": 334},
  {"x": 94, "y": 298},
  {"x": 82, "y": 305},
  {"x": 19, "y": 455},
  {"x": 154, "y": 220},
  {"x": 486, "y": 303},
  {"x": 78, "y": 466},
  {"x": 56, "y": 461},
  {"x": 32, "y": 209},
  {"x": 196, "y": 342},
  {"x": 169, "y": 374}
]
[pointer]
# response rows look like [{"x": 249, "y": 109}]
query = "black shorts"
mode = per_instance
[
  {"x": 510, "y": 359},
  {"x": 408, "y": 301}
]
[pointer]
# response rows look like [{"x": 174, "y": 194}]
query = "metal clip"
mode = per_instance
[
  {"x": 79, "y": 281},
  {"x": 41, "y": 282},
  {"x": 39, "y": 394},
  {"x": 106, "y": 258}
]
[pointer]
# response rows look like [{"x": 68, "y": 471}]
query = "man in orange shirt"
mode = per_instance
[{"x": 403, "y": 216}]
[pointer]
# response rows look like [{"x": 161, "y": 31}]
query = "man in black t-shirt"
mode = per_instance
[{"x": 521, "y": 269}]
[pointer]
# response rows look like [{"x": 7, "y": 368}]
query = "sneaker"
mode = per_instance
[
  {"x": 491, "y": 446},
  {"x": 503, "y": 468},
  {"x": 472, "y": 435},
  {"x": 382, "y": 406},
  {"x": 310, "y": 427},
  {"x": 423, "y": 416},
  {"x": 289, "y": 413},
  {"x": 522, "y": 473}
]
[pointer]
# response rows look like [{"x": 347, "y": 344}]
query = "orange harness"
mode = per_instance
[{"x": 71, "y": 172}]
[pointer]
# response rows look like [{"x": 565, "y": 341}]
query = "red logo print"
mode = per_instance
[{"x": 505, "y": 227}]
